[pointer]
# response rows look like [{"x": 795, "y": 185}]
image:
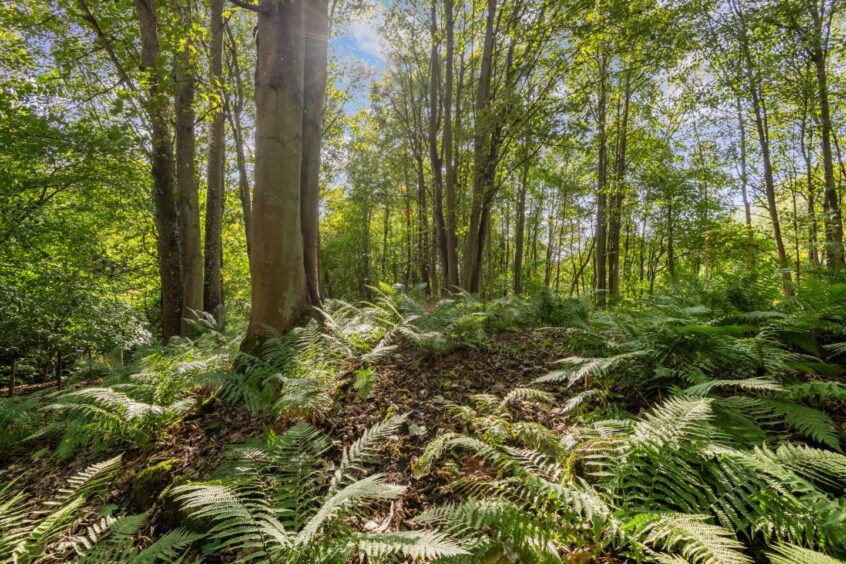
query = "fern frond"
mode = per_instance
[
  {"x": 749, "y": 384},
  {"x": 417, "y": 545},
  {"x": 786, "y": 553},
  {"x": 365, "y": 449},
  {"x": 697, "y": 540},
  {"x": 357, "y": 494}
]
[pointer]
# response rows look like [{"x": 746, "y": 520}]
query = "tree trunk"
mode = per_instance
[
  {"x": 161, "y": 158},
  {"x": 520, "y": 229},
  {"x": 13, "y": 375},
  {"x": 449, "y": 185},
  {"x": 213, "y": 277},
  {"x": 619, "y": 194},
  {"x": 186, "y": 178},
  {"x": 434, "y": 156},
  {"x": 279, "y": 293},
  {"x": 422, "y": 227},
  {"x": 600, "y": 260},
  {"x": 59, "y": 369},
  {"x": 764, "y": 142},
  {"x": 744, "y": 185},
  {"x": 831, "y": 204},
  {"x": 813, "y": 256},
  {"x": 233, "y": 111},
  {"x": 471, "y": 272},
  {"x": 316, "y": 75}
]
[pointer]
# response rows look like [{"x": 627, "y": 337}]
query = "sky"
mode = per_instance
[{"x": 360, "y": 42}]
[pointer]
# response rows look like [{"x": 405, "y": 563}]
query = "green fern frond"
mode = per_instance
[
  {"x": 749, "y": 384},
  {"x": 356, "y": 495},
  {"x": 416, "y": 545},
  {"x": 786, "y": 553},
  {"x": 527, "y": 395},
  {"x": 691, "y": 535},
  {"x": 364, "y": 450}
]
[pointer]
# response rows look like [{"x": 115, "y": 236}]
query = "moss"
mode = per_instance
[{"x": 151, "y": 482}]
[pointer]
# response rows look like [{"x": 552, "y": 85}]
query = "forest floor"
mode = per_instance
[{"x": 407, "y": 381}]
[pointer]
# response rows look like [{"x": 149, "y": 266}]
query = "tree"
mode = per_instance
[{"x": 213, "y": 278}]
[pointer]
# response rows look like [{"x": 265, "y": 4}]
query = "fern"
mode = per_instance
[{"x": 690, "y": 535}]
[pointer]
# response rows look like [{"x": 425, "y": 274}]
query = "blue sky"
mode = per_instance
[{"x": 360, "y": 42}]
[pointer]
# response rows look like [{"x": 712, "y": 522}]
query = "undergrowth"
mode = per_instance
[{"x": 702, "y": 426}]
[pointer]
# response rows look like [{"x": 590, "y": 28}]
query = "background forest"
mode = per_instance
[{"x": 413, "y": 280}]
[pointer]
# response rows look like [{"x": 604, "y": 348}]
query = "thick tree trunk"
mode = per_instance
[
  {"x": 600, "y": 260},
  {"x": 213, "y": 281},
  {"x": 279, "y": 293},
  {"x": 831, "y": 204},
  {"x": 161, "y": 158},
  {"x": 615, "y": 220},
  {"x": 450, "y": 180},
  {"x": 186, "y": 179},
  {"x": 520, "y": 229},
  {"x": 434, "y": 155},
  {"x": 316, "y": 75}
]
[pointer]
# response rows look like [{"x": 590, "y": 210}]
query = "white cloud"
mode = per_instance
[{"x": 365, "y": 31}]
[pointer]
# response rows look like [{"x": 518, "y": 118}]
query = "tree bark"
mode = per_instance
[
  {"x": 744, "y": 184},
  {"x": 316, "y": 75},
  {"x": 600, "y": 258},
  {"x": 450, "y": 180},
  {"x": 434, "y": 156},
  {"x": 13, "y": 375},
  {"x": 213, "y": 279},
  {"x": 619, "y": 193},
  {"x": 279, "y": 293},
  {"x": 161, "y": 159},
  {"x": 520, "y": 229},
  {"x": 831, "y": 204},
  {"x": 186, "y": 178},
  {"x": 761, "y": 125},
  {"x": 471, "y": 272},
  {"x": 234, "y": 109}
]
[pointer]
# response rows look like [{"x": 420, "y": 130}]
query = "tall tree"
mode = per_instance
[
  {"x": 451, "y": 276},
  {"x": 316, "y": 72},
  {"x": 279, "y": 288},
  {"x": 161, "y": 158},
  {"x": 213, "y": 280}
]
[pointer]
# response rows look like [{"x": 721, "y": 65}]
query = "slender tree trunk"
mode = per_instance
[
  {"x": 213, "y": 277},
  {"x": 422, "y": 227},
  {"x": 279, "y": 292},
  {"x": 434, "y": 155},
  {"x": 59, "y": 369},
  {"x": 450, "y": 180},
  {"x": 316, "y": 76},
  {"x": 813, "y": 256},
  {"x": 764, "y": 142},
  {"x": 161, "y": 158},
  {"x": 520, "y": 229},
  {"x": 671, "y": 255},
  {"x": 234, "y": 111},
  {"x": 13, "y": 375},
  {"x": 744, "y": 184},
  {"x": 619, "y": 194},
  {"x": 831, "y": 204},
  {"x": 600, "y": 259},
  {"x": 471, "y": 272}
]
